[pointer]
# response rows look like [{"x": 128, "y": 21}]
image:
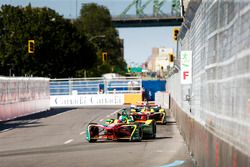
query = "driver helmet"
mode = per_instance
[{"x": 124, "y": 112}]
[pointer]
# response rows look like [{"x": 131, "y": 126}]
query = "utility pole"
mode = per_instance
[{"x": 76, "y": 9}]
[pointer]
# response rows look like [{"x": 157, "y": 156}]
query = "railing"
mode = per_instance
[{"x": 82, "y": 86}]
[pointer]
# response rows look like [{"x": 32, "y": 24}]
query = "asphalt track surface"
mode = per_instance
[{"x": 56, "y": 138}]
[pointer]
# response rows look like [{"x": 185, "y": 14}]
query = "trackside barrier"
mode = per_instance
[
  {"x": 152, "y": 86},
  {"x": 82, "y": 86},
  {"x": 23, "y": 96},
  {"x": 77, "y": 92},
  {"x": 86, "y": 100},
  {"x": 162, "y": 98},
  {"x": 132, "y": 98},
  {"x": 93, "y": 100}
]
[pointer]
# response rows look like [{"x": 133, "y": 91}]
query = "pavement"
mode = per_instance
[{"x": 57, "y": 138}]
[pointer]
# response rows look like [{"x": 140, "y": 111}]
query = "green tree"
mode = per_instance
[
  {"x": 60, "y": 49},
  {"x": 95, "y": 21}
]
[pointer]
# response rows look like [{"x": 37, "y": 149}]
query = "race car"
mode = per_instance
[
  {"x": 114, "y": 132},
  {"x": 142, "y": 104},
  {"x": 154, "y": 111},
  {"x": 148, "y": 125}
]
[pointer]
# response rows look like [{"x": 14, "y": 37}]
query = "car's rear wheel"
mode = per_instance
[
  {"x": 138, "y": 135},
  {"x": 92, "y": 140},
  {"x": 153, "y": 125},
  {"x": 164, "y": 120}
]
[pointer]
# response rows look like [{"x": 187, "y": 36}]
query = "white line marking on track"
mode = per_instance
[
  {"x": 116, "y": 111},
  {"x": 5, "y": 130},
  {"x": 101, "y": 120},
  {"x": 82, "y": 133},
  {"x": 108, "y": 116},
  {"x": 159, "y": 151},
  {"x": 68, "y": 141},
  {"x": 32, "y": 121}
]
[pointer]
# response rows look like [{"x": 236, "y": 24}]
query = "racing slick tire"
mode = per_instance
[
  {"x": 165, "y": 119},
  {"x": 93, "y": 131},
  {"x": 92, "y": 140},
  {"x": 140, "y": 135},
  {"x": 153, "y": 126}
]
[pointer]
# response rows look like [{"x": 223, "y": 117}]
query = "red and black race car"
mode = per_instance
[
  {"x": 151, "y": 110},
  {"x": 114, "y": 131}
]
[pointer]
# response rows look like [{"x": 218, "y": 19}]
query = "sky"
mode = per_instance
[{"x": 138, "y": 42}]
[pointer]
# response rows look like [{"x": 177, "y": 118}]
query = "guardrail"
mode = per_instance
[
  {"x": 77, "y": 92},
  {"x": 84, "y": 86}
]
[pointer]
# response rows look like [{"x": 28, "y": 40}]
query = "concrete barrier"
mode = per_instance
[
  {"x": 162, "y": 98},
  {"x": 208, "y": 149},
  {"x": 23, "y": 96}
]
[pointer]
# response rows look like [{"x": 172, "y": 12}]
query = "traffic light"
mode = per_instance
[
  {"x": 104, "y": 57},
  {"x": 171, "y": 57},
  {"x": 31, "y": 46},
  {"x": 175, "y": 33},
  {"x": 129, "y": 69}
]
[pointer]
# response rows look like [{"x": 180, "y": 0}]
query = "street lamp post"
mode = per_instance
[{"x": 10, "y": 69}]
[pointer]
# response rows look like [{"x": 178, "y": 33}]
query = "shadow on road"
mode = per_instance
[
  {"x": 167, "y": 137},
  {"x": 45, "y": 114},
  {"x": 30, "y": 120}
]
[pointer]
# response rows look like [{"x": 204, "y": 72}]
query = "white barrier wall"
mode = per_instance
[
  {"x": 86, "y": 100},
  {"x": 162, "y": 98},
  {"x": 23, "y": 96}
]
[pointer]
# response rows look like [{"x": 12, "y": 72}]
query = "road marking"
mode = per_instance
[
  {"x": 32, "y": 121},
  {"x": 108, "y": 116},
  {"x": 68, "y": 141},
  {"x": 5, "y": 130},
  {"x": 159, "y": 151},
  {"x": 173, "y": 164},
  {"x": 116, "y": 112},
  {"x": 82, "y": 133},
  {"x": 101, "y": 120}
]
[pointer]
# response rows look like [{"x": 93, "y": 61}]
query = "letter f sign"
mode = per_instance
[{"x": 185, "y": 74}]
